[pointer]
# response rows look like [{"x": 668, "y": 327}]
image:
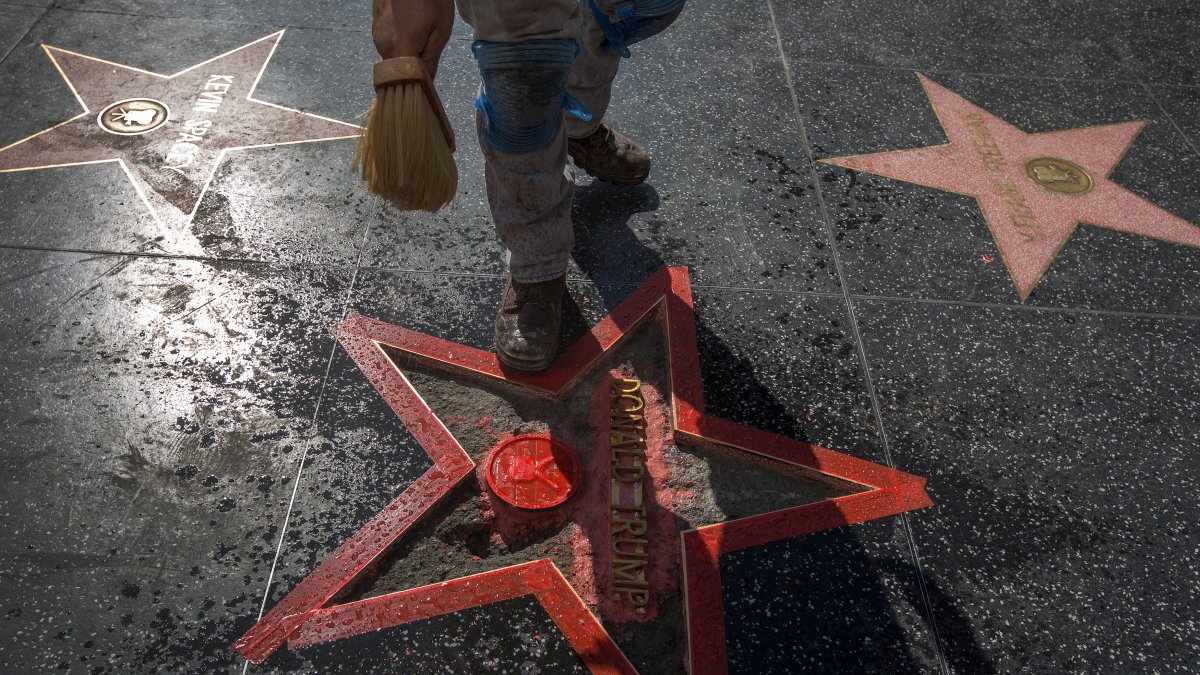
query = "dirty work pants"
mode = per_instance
[{"x": 530, "y": 192}]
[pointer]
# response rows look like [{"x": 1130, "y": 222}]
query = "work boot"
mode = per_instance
[
  {"x": 610, "y": 156},
  {"x": 527, "y": 324}
]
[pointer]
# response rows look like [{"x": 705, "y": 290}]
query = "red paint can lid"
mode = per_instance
[{"x": 533, "y": 471}]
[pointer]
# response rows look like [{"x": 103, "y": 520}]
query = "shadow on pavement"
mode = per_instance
[{"x": 838, "y": 599}]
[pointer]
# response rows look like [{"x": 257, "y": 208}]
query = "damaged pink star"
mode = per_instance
[{"x": 306, "y": 615}]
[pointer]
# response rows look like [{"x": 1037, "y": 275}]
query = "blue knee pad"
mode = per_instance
[
  {"x": 524, "y": 91},
  {"x": 636, "y": 20}
]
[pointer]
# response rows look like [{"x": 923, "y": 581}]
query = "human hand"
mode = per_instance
[{"x": 418, "y": 28}]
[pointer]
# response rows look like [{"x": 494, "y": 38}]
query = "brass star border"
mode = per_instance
[{"x": 305, "y": 617}]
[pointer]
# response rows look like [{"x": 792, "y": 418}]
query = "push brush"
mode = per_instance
[{"x": 406, "y": 153}]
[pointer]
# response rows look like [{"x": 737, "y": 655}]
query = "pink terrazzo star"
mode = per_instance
[
  {"x": 1034, "y": 189},
  {"x": 168, "y": 133}
]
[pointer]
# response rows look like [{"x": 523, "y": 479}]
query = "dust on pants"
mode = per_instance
[{"x": 530, "y": 193}]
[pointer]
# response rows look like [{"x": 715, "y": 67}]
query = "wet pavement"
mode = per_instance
[{"x": 183, "y": 439}]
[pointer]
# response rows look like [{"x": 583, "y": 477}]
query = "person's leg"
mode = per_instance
[
  {"x": 521, "y": 134},
  {"x": 523, "y": 146},
  {"x": 525, "y": 50},
  {"x": 592, "y": 76},
  {"x": 607, "y": 29}
]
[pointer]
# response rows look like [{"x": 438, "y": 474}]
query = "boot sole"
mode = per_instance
[{"x": 613, "y": 181}]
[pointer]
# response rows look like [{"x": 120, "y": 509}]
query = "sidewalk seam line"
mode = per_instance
[
  {"x": 864, "y": 363},
  {"x": 284, "y": 265},
  {"x": 1170, "y": 118},
  {"x": 313, "y": 431},
  {"x": 32, "y": 24},
  {"x": 932, "y": 70}
]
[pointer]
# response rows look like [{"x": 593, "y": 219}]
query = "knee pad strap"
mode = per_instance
[{"x": 636, "y": 20}]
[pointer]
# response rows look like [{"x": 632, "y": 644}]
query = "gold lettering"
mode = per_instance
[
  {"x": 626, "y": 386},
  {"x": 633, "y": 453},
  {"x": 638, "y": 403},
  {"x": 636, "y": 495},
  {"x": 623, "y": 474},
  {"x": 638, "y": 550},
  {"x": 989, "y": 151},
  {"x": 629, "y": 573},
  {"x": 618, "y": 437},
  {"x": 1020, "y": 214},
  {"x": 638, "y": 597},
  {"x": 635, "y": 527},
  {"x": 182, "y": 154},
  {"x": 627, "y": 443}
]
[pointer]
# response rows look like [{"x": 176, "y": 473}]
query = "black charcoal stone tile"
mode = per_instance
[
  {"x": 1059, "y": 449},
  {"x": 847, "y": 599},
  {"x": 154, "y": 412},
  {"x": 15, "y": 21},
  {"x": 1182, "y": 107},
  {"x": 842, "y": 600},
  {"x": 327, "y": 16},
  {"x": 1156, "y": 40},
  {"x": 1014, "y": 38},
  {"x": 28, "y": 3},
  {"x": 730, "y": 193},
  {"x": 93, "y": 207},
  {"x": 459, "y": 238},
  {"x": 786, "y": 363}
]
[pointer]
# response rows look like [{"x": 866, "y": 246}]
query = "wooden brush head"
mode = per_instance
[{"x": 411, "y": 69}]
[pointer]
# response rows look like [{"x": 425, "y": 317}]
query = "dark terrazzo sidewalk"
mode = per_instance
[{"x": 182, "y": 439}]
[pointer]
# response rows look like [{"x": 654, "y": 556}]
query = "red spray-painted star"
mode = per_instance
[
  {"x": 168, "y": 133},
  {"x": 1034, "y": 189},
  {"x": 304, "y": 616}
]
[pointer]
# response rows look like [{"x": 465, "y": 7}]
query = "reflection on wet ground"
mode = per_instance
[{"x": 183, "y": 440}]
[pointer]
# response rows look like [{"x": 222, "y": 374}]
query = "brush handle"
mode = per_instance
[{"x": 411, "y": 69}]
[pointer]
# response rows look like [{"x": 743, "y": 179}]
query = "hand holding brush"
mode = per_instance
[{"x": 406, "y": 152}]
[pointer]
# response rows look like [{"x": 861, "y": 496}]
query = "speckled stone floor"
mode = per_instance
[{"x": 182, "y": 439}]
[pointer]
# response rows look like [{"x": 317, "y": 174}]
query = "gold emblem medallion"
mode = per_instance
[
  {"x": 1059, "y": 175},
  {"x": 133, "y": 116}
]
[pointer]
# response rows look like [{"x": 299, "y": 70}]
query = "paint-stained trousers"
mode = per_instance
[{"x": 530, "y": 193}]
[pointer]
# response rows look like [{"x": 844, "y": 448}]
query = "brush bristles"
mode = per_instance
[{"x": 403, "y": 155}]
